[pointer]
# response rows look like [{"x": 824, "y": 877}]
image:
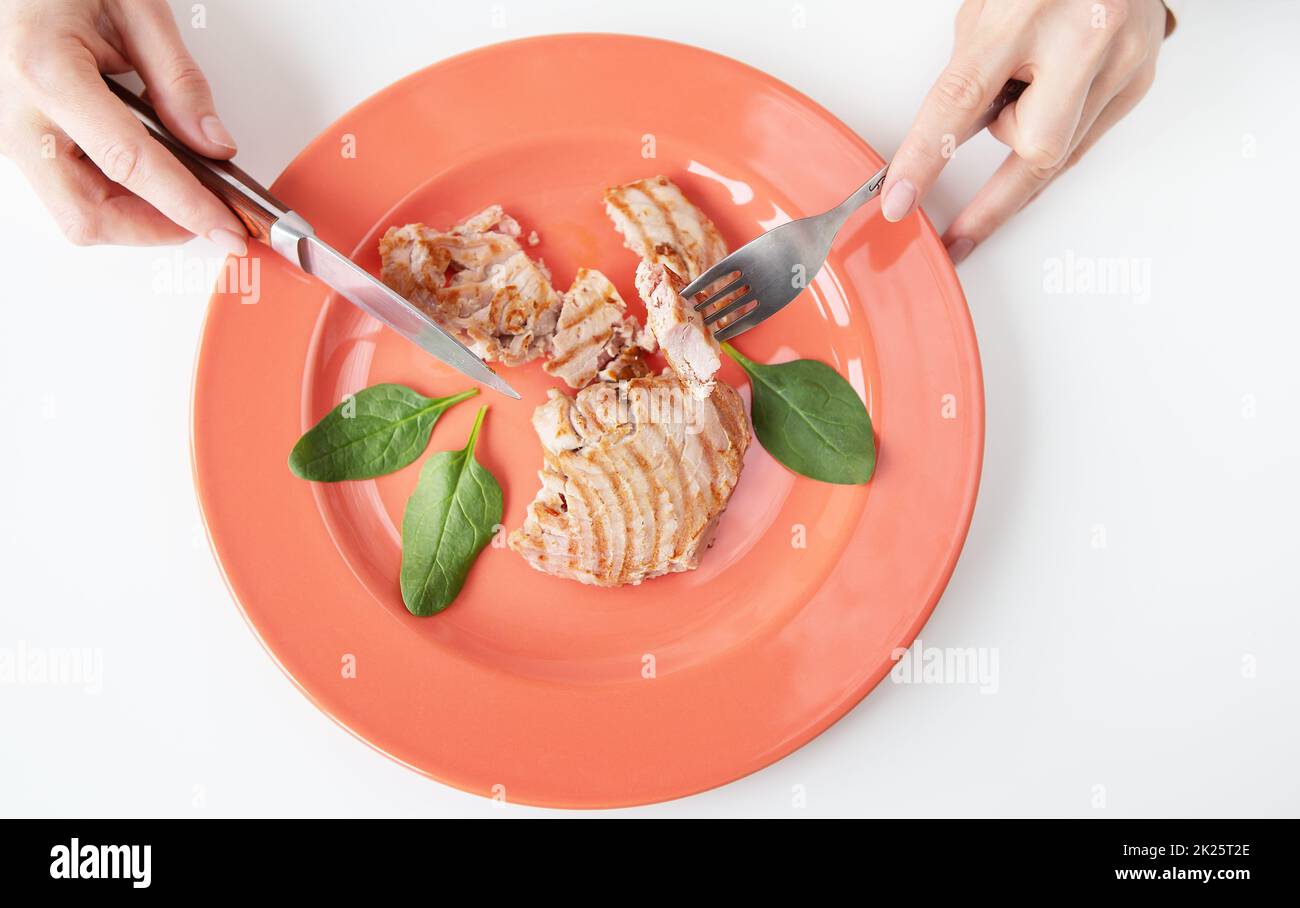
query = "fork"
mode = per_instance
[{"x": 773, "y": 269}]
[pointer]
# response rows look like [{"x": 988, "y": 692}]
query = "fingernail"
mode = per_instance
[
  {"x": 959, "y": 248},
  {"x": 216, "y": 132},
  {"x": 898, "y": 201},
  {"x": 228, "y": 241}
]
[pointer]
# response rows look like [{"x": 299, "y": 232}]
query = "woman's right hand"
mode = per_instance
[
  {"x": 1087, "y": 64},
  {"x": 100, "y": 174}
]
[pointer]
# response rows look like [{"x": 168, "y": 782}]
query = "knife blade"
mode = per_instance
[{"x": 268, "y": 219}]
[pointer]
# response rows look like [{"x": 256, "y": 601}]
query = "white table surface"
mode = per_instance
[{"x": 1153, "y": 676}]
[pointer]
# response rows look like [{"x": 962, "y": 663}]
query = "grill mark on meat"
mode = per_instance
[
  {"x": 585, "y": 312},
  {"x": 681, "y": 530},
  {"x": 497, "y": 307},
  {"x": 709, "y": 457},
  {"x": 566, "y": 358},
  {"x": 592, "y": 341},
  {"x": 641, "y": 516},
  {"x": 624, "y": 501},
  {"x": 617, "y": 201},
  {"x": 669, "y": 219},
  {"x": 575, "y": 541},
  {"x": 644, "y": 469},
  {"x": 575, "y": 490}
]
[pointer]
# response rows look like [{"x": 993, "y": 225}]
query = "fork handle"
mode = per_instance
[{"x": 870, "y": 189}]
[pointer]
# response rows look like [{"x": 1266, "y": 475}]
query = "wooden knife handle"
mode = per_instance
[{"x": 251, "y": 202}]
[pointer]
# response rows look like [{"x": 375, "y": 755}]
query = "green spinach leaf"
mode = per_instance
[
  {"x": 809, "y": 418},
  {"x": 379, "y": 430},
  {"x": 451, "y": 515}
]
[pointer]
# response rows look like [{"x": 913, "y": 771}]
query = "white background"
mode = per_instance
[{"x": 1161, "y": 667}]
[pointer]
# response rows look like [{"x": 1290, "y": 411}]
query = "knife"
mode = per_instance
[{"x": 268, "y": 219}]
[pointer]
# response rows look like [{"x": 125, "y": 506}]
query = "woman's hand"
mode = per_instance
[
  {"x": 89, "y": 159},
  {"x": 1087, "y": 62}
]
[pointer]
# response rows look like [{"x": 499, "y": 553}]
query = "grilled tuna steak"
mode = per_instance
[
  {"x": 476, "y": 282},
  {"x": 662, "y": 226},
  {"x": 635, "y": 477},
  {"x": 595, "y": 336}
]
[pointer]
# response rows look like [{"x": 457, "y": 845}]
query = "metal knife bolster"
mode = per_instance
[{"x": 287, "y": 233}]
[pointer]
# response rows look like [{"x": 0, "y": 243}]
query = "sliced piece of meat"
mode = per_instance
[
  {"x": 634, "y": 479},
  {"x": 476, "y": 282},
  {"x": 595, "y": 336},
  {"x": 662, "y": 226},
  {"x": 687, "y": 343}
]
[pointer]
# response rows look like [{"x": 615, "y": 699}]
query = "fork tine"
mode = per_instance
[
  {"x": 726, "y": 266},
  {"x": 730, "y": 308},
  {"x": 741, "y": 325},
  {"x": 734, "y": 285}
]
